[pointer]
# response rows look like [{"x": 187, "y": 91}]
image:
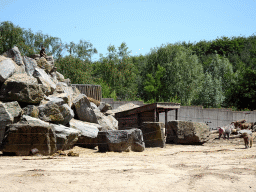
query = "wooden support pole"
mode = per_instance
[
  {"x": 165, "y": 113},
  {"x": 154, "y": 115}
]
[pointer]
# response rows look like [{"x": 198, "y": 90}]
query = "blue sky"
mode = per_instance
[{"x": 141, "y": 24}]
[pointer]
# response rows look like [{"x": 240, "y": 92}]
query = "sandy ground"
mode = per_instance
[{"x": 219, "y": 165}]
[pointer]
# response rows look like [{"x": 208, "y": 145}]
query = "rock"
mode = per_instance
[
  {"x": 89, "y": 133},
  {"x": 184, "y": 132},
  {"x": 10, "y": 112},
  {"x": 14, "y": 53},
  {"x": 108, "y": 122},
  {"x": 103, "y": 107},
  {"x": 56, "y": 113},
  {"x": 153, "y": 134},
  {"x": 35, "y": 56},
  {"x": 46, "y": 66},
  {"x": 30, "y": 65},
  {"x": 121, "y": 140},
  {"x": 125, "y": 107},
  {"x": 31, "y": 110},
  {"x": 64, "y": 96},
  {"x": 60, "y": 77},
  {"x": 25, "y": 119},
  {"x": 83, "y": 109},
  {"x": 44, "y": 79},
  {"x": 22, "y": 138},
  {"x": 66, "y": 137},
  {"x": 50, "y": 60},
  {"x": 67, "y": 81},
  {"x": 7, "y": 68},
  {"x": 23, "y": 88},
  {"x": 96, "y": 102},
  {"x": 14, "y": 110}
]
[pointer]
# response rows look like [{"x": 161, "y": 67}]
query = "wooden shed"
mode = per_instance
[{"x": 147, "y": 113}]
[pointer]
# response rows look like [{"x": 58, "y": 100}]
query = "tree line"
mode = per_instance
[{"x": 217, "y": 73}]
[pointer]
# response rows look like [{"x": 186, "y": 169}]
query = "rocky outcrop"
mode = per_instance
[
  {"x": 121, "y": 140},
  {"x": 184, "y": 132},
  {"x": 37, "y": 109}
]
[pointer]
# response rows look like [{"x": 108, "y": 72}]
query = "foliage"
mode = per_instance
[{"x": 78, "y": 71}]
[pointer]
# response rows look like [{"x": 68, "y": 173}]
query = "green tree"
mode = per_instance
[
  {"x": 11, "y": 36},
  {"x": 153, "y": 85},
  {"x": 183, "y": 74}
]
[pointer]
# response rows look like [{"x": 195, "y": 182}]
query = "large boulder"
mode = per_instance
[
  {"x": 121, "y": 140},
  {"x": 44, "y": 64},
  {"x": 10, "y": 112},
  {"x": 22, "y": 138},
  {"x": 55, "y": 112},
  {"x": 108, "y": 122},
  {"x": 184, "y": 132},
  {"x": 23, "y": 88},
  {"x": 66, "y": 137},
  {"x": 60, "y": 77},
  {"x": 30, "y": 65},
  {"x": 89, "y": 133},
  {"x": 14, "y": 53},
  {"x": 7, "y": 68},
  {"x": 44, "y": 79},
  {"x": 83, "y": 109},
  {"x": 153, "y": 134}
]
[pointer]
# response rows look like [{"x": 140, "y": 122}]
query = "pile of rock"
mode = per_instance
[{"x": 40, "y": 109}]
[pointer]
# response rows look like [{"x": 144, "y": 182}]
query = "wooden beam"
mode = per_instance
[{"x": 176, "y": 114}]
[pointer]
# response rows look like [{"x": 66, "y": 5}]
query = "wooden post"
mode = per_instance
[
  {"x": 155, "y": 115},
  {"x": 176, "y": 114},
  {"x": 165, "y": 112}
]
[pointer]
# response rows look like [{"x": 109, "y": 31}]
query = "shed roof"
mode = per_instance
[{"x": 160, "y": 107}]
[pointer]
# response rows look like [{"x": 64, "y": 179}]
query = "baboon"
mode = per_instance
[
  {"x": 221, "y": 131},
  {"x": 227, "y": 132},
  {"x": 42, "y": 52},
  {"x": 237, "y": 123},
  {"x": 247, "y": 140},
  {"x": 246, "y": 125}
]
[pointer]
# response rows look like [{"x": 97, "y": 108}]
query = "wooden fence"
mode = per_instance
[{"x": 93, "y": 91}]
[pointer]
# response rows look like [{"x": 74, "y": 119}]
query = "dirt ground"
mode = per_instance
[{"x": 218, "y": 165}]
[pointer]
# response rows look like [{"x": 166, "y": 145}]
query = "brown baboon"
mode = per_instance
[
  {"x": 247, "y": 140},
  {"x": 237, "y": 123},
  {"x": 42, "y": 52},
  {"x": 246, "y": 125}
]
